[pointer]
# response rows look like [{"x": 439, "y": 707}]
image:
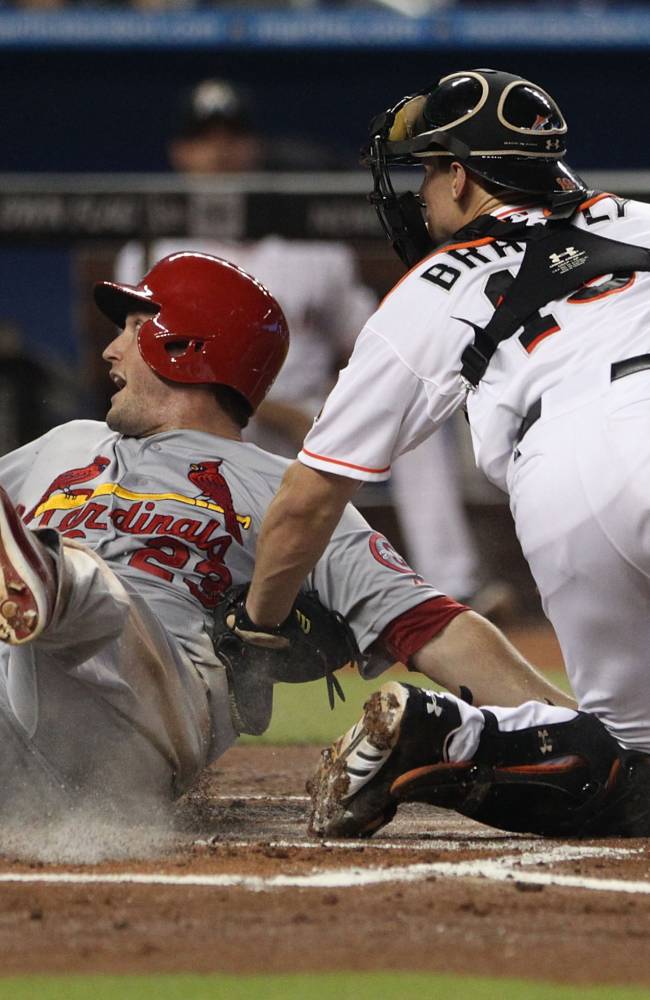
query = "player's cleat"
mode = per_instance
[
  {"x": 27, "y": 579},
  {"x": 402, "y": 728}
]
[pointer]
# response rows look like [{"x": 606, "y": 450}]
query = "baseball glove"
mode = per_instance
[{"x": 313, "y": 642}]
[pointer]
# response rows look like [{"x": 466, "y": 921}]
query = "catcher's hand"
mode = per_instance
[
  {"x": 313, "y": 642},
  {"x": 239, "y": 622}
]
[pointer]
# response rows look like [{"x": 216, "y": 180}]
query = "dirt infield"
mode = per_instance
[{"x": 243, "y": 890}]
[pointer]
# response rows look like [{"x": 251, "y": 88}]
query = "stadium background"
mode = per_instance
[
  {"x": 85, "y": 100},
  {"x": 85, "y": 90}
]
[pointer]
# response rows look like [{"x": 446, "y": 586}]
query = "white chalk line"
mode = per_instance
[
  {"x": 504, "y": 869},
  {"x": 431, "y": 845},
  {"x": 259, "y": 797}
]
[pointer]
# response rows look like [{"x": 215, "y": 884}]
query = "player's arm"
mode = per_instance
[
  {"x": 471, "y": 653},
  {"x": 297, "y": 527},
  {"x": 356, "y": 433}
]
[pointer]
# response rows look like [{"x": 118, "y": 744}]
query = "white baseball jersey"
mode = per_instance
[
  {"x": 403, "y": 380},
  {"x": 578, "y": 481}
]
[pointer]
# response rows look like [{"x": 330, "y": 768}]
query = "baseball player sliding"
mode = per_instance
[
  {"x": 119, "y": 540},
  {"x": 527, "y": 302}
]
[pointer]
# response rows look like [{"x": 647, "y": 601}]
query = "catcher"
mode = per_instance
[
  {"x": 527, "y": 303},
  {"x": 121, "y": 543}
]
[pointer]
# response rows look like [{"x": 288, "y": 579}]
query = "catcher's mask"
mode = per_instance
[
  {"x": 502, "y": 128},
  {"x": 210, "y": 323}
]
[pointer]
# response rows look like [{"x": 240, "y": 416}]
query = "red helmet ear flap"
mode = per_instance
[{"x": 214, "y": 324}]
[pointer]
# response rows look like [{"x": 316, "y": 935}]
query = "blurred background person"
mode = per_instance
[{"x": 316, "y": 282}]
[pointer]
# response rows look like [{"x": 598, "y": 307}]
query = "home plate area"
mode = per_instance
[{"x": 238, "y": 886}]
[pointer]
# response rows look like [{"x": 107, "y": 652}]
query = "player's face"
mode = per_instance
[
  {"x": 141, "y": 403},
  {"x": 216, "y": 150},
  {"x": 440, "y": 208}
]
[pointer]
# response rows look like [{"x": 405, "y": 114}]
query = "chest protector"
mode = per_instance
[{"x": 558, "y": 259}]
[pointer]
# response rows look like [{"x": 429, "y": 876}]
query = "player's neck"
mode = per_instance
[
  {"x": 221, "y": 428},
  {"x": 197, "y": 412},
  {"x": 482, "y": 203}
]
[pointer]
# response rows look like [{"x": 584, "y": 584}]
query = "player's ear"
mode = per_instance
[{"x": 459, "y": 179}]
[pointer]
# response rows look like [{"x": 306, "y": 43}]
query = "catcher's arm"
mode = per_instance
[{"x": 296, "y": 529}]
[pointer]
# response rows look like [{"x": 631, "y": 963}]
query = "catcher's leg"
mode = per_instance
[
  {"x": 402, "y": 727},
  {"x": 559, "y": 778},
  {"x": 534, "y": 768}
]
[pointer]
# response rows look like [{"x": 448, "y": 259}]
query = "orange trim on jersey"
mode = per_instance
[
  {"x": 455, "y": 246},
  {"x": 338, "y": 461},
  {"x": 592, "y": 201},
  {"x": 603, "y": 295},
  {"x": 583, "y": 206},
  {"x": 547, "y": 333},
  {"x": 487, "y": 239}
]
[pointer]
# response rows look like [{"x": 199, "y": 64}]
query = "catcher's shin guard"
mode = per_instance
[
  {"x": 402, "y": 727},
  {"x": 558, "y": 780},
  {"x": 627, "y": 811},
  {"x": 27, "y": 579}
]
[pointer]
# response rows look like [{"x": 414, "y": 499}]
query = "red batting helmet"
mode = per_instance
[{"x": 230, "y": 328}]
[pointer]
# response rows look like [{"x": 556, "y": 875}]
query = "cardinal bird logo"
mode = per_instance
[
  {"x": 66, "y": 480},
  {"x": 213, "y": 486}
]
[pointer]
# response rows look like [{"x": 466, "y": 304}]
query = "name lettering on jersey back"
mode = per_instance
[{"x": 446, "y": 272}]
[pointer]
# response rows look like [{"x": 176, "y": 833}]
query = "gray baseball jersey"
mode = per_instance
[{"x": 155, "y": 530}]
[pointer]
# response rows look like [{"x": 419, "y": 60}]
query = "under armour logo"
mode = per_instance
[
  {"x": 433, "y": 708},
  {"x": 553, "y": 143},
  {"x": 566, "y": 260},
  {"x": 567, "y": 254},
  {"x": 545, "y": 742}
]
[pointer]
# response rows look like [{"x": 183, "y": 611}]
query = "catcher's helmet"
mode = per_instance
[
  {"x": 229, "y": 328},
  {"x": 503, "y": 128}
]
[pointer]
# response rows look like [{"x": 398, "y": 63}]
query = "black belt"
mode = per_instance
[{"x": 619, "y": 369}]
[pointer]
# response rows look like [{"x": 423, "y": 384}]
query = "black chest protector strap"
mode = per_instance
[{"x": 558, "y": 259}]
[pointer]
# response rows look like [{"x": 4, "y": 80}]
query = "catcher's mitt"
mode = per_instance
[{"x": 313, "y": 642}]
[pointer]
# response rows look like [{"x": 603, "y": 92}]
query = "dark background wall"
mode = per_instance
[{"x": 109, "y": 110}]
